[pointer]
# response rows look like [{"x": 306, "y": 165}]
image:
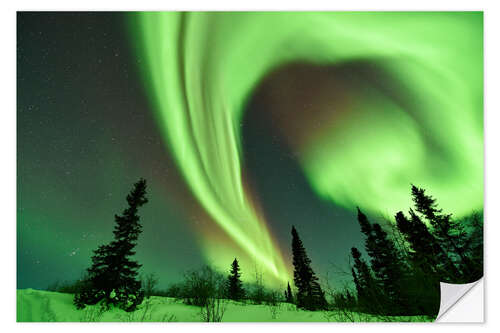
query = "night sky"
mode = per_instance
[
  {"x": 91, "y": 121},
  {"x": 85, "y": 135}
]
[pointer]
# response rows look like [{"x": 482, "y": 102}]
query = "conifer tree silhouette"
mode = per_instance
[
  {"x": 449, "y": 233},
  {"x": 112, "y": 278},
  {"x": 388, "y": 267},
  {"x": 425, "y": 251},
  {"x": 408, "y": 265},
  {"x": 475, "y": 246},
  {"x": 235, "y": 286},
  {"x": 364, "y": 281},
  {"x": 288, "y": 294},
  {"x": 309, "y": 294}
]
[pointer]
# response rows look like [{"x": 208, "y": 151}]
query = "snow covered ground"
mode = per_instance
[{"x": 45, "y": 306}]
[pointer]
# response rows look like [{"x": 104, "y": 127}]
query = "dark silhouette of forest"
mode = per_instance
[
  {"x": 396, "y": 273},
  {"x": 406, "y": 263}
]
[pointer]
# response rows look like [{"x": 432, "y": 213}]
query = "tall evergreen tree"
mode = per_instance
[
  {"x": 475, "y": 245},
  {"x": 350, "y": 301},
  {"x": 288, "y": 294},
  {"x": 366, "y": 287},
  {"x": 309, "y": 294},
  {"x": 425, "y": 250},
  {"x": 357, "y": 284},
  {"x": 386, "y": 263},
  {"x": 234, "y": 284},
  {"x": 112, "y": 278},
  {"x": 449, "y": 233},
  {"x": 367, "y": 230},
  {"x": 390, "y": 270}
]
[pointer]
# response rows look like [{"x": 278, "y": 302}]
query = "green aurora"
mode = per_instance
[{"x": 201, "y": 69}]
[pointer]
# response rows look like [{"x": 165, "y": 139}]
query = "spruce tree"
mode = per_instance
[
  {"x": 112, "y": 278},
  {"x": 366, "y": 287},
  {"x": 288, "y": 294},
  {"x": 309, "y": 294},
  {"x": 350, "y": 301},
  {"x": 234, "y": 284},
  {"x": 449, "y": 233},
  {"x": 475, "y": 245},
  {"x": 367, "y": 230},
  {"x": 357, "y": 284},
  {"x": 388, "y": 267},
  {"x": 390, "y": 270},
  {"x": 425, "y": 251}
]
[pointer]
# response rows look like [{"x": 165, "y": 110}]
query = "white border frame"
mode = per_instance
[{"x": 8, "y": 149}]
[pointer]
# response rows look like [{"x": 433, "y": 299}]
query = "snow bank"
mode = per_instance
[{"x": 45, "y": 306}]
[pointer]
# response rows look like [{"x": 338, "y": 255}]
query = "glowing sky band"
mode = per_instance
[{"x": 201, "y": 68}]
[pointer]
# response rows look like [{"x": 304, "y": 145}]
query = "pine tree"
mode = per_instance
[
  {"x": 425, "y": 251},
  {"x": 234, "y": 284},
  {"x": 475, "y": 245},
  {"x": 350, "y": 301},
  {"x": 367, "y": 230},
  {"x": 288, "y": 294},
  {"x": 386, "y": 263},
  {"x": 390, "y": 269},
  {"x": 112, "y": 278},
  {"x": 449, "y": 233},
  {"x": 357, "y": 284},
  {"x": 317, "y": 296},
  {"x": 309, "y": 294},
  {"x": 366, "y": 287}
]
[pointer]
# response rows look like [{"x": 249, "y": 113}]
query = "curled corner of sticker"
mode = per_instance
[{"x": 456, "y": 306}]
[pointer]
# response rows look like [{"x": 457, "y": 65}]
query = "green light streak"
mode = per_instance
[{"x": 202, "y": 67}]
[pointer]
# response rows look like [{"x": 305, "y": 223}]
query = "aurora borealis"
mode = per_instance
[
  {"x": 243, "y": 124},
  {"x": 373, "y": 141}
]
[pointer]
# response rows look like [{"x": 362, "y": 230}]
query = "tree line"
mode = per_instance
[
  {"x": 403, "y": 270},
  {"x": 405, "y": 263}
]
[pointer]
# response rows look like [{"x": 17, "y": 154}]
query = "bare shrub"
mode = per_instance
[
  {"x": 273, "y": 300},
  {"x": 149, "y": 283},
  {"x": 257, "y": 290},
  {"x": 174, "y": 290},
  {"x": 146, "y": 310},
  {"x": 214, "y": 309},
  {"x": 92, "y": 313},
  {"x": 201, "y": 285},
  {"x": 275, "y": 310}
]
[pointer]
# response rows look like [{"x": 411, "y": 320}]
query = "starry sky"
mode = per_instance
[
  {"x": 237, "y": 143},
  {"x": 85, "y": 135}
]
